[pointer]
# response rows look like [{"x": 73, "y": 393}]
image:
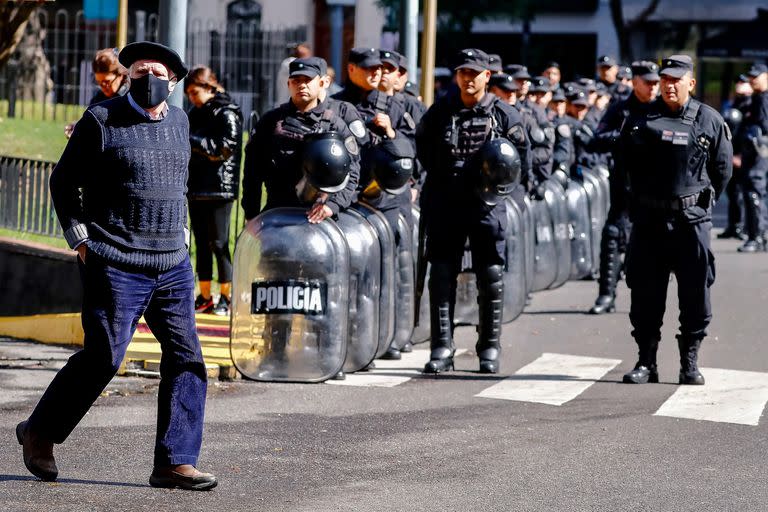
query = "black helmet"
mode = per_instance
[
  {"x": 498, "y": 164},
  {"x": 392, "y": 164},
  {"x": 326, "y": 161}
]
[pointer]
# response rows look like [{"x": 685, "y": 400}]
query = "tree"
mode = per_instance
[
  {"x": 14, "y": 16},
  {"x": 624, "y": 28}
]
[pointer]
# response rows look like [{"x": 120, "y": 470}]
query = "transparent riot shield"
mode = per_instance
[
  {"x": 544, "y": 251},
  {"x": 597, "y": 215},
  {"x": 554, "y": 196},
  {"x": 465, "y": 312},
  {"x": 405, "y": 289},
  {"x": 580, "y": 230},
  {"x": 603, "y": 175},
  {"x": 421, "y": 332},
  {"x": 515, "y": 290},
  {"x": 388, "y": 279},
  {"x": 364, "y": 289},
  {"x": 290, "y": 299},
  {"x": 530, "y": 240}
]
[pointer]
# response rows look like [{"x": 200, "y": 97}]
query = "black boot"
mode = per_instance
[
  {"x": 689, "y": 355},
  {"x": 731, "y": 232},
  {"x": 645, "y": 370},
  {"x": 441, "y": 280},
  {"x": 610, "y": 266},
  {"x": 490, "y": 300},
  {"x": 753, "y": 245},
  {"x": 753, "y": 211}
]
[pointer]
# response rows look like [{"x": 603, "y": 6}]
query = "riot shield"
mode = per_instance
[
  {"x": 580, "y": 230},
  {"x": 554, "y": 196},
  {"x": 290, "y": 299},
  {"x": 544, "y": 251},
  {"x": 421, "y": 332},
  {"x": 597, "y": 216},
  {"x": 529, "y": 226},
  {"x": 405, "y": 287},
  {"x": 465, "y": 312},
  {"x": 515, "y": 291},
  {"x": 388, "y": 269},
  {"x": 364, "y": 289}
]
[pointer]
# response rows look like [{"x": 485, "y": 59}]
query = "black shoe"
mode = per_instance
[
  {"x": 489, "y": 366},
  {"x": 222, "y": 307},
  {"x": 203, "y": 305},
  {"x": 37, "y": 453},
  {"x": 731, "y": 232},
  {"x": 168, "y": 478},
  {"x": 603, "y": 304},
  {"x": 694, "y": 378},
  {"x": 407, "y": 348},
  {"x": 756, "y": 245},
  {"x": 392, "y": 354},
  {"x": 439, "y": 365},
  {"x": 641, "y": 375},
  {"x": 340, "y": 376}
]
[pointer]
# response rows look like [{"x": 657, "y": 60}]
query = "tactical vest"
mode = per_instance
[{"x": 469, "y": 129}]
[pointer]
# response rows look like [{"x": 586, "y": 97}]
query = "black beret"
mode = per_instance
[{"x": 146, "y": 50}]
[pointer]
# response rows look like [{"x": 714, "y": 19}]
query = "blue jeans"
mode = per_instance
[{"x": 114, "y": 299}]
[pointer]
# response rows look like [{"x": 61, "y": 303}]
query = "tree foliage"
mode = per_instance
[
  {"x": 624, "y": 27},
  {"x": 14, "y": 16}
]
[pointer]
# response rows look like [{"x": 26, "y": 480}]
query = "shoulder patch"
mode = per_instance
[
  {"x": 351, "y": 144},
  {"x": 728, "y": 134},
  {"x": 516, "y": 135},
  {"x": 357, "y": 128},
  {"x": 409, "y": 121},
  {"x": 564, "y": 130}
]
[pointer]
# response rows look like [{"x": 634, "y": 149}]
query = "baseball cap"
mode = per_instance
[
  {"x": 472, "y": 58},
  {"x": 309, "y": 66},
  {"x": 364, "y": 57},
  {"x": 757, "y": 69},
  {"x": 540, "y": 84},
  {"x": 504, "y": 81},
  {"x": 577, "y": 96},
  {"x": 606, "y": 61},
  {"x": 518, "y": 71},
  {"x": 646, "y": 70},
  {"x": 494, "y": 63},
  {"x": 390, "y": 57},
  {"x": 676, "y": 66}
]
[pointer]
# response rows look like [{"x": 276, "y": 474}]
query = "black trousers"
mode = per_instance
[
  {"x": 210, "y": 225},
  {"x": 754, "y": 183},
  {"x": 656, "y": 249}
]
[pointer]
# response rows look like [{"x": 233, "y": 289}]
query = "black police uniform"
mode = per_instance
[
  {"x": 734, "y": 117},
  {"x": 677, "y": 164},
  {"x": 541, "y": 133},
  {"x": 448, "y": 136},
  {"x": 755, "y": 164}
]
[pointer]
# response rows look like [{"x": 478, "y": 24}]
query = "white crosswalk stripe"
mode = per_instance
[
  {"x": 552, "y": 379},
  {"x": 388, "y": 374},
  {"x": 729, "y": 396}
]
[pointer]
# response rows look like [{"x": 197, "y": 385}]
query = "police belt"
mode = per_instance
[{"x": 677, "y": 204}]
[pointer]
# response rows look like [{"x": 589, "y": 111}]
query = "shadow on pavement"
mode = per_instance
[{"x": 29, "y": 478}]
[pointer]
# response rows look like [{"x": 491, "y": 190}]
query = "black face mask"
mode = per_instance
[{"x": 149, "y": 91}]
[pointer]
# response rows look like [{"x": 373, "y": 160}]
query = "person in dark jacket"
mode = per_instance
[{"x": 216, "y": 137}]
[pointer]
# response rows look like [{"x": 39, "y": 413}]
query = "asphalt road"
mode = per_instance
[{"x": 429, "y": 443}]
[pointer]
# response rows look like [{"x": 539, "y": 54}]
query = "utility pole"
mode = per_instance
[
  {"x": 122, "y": 24},
  {"x": 428, "y": 46},
  {"x": 173, "y": 33},
  {"x": 410, "y": 35}
]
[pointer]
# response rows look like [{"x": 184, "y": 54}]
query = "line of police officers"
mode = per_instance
[{"x": 670, "y": 158}]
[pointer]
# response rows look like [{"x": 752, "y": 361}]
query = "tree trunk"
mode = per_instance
[
  {"x": 624, "y": 29},
  {"x": 13, "y": 20},
  {"x": 34, "y": 71}
]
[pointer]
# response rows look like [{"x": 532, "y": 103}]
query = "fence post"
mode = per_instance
[{"x": 13, "y": 81}]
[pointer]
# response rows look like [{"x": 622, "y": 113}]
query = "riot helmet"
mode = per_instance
[
  {"x": 498, "y": 170},
  {"x": 392, "y": 164}
]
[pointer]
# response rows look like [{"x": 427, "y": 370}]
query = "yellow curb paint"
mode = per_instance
[{"x": 60, "y": 328}]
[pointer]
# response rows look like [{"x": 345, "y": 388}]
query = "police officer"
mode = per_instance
[
  {"x": 755, "y": 160},
  {"x": 734, "y": 116},
  {"x": 607, "y": 71},
  {"x": 677, "y": 158},
  {"x": 449, "y": 135},
  {"x": 556, "y": 106},
  {"x": 617, "y": 226},
  {"x": 541, "y": 131},
  {"x": 572, "y": 134},
  {"x": 552, "y": 73},
  {"x": 495, "y": 64},
  {"x": 624, "y": 78}
]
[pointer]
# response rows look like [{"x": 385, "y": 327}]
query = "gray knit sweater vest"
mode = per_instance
[{"x": 136, "y": 201}]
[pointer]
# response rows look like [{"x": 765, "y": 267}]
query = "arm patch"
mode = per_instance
[
  {"x": 564, "y": 130},
  {"x": 351, "y": 144},
  {"x": 516, "y": 135}
]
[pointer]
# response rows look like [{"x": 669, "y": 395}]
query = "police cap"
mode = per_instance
[
  {"x": 552, "y": 64},
  {"x": 606, "y": 61},
  {"x": 146, "y": 50},
  {"x": 472, "y": 58},
  {"x": 558, "y": 95},
  {"x": 676, "y": 66},
  {"x": 624, "y": 72},
  {"x": 757, "y": 69},
  {"x": 403, "y": 63},
  {"x": 503, "y": 81},
  {"x": 587, "y": 84},
  {"x": 540, "y": 84},
  {"x": 645, "y": 69},
  {"x": 494, "y": 63},
  {"x": 518, "y": 71},
  {"x": 602, "y": 90},
  {"x": 309, "y": 66},
  {"x": 577, "y": 96},
  {"x": 364, "y": 57},
  {"x": 390, "y": 57},
  {"x": 411, "y": 88}
]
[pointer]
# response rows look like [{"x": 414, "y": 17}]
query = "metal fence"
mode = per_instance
[
  {"x": 25, "y": 203},
  {"x": 245, "y": 56}
]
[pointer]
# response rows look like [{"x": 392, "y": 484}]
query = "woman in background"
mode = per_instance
[{"x": 216, "y": 137}]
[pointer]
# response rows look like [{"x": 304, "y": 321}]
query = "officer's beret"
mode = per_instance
[
  {"x": 146, "y": 50},
  {"x": 494, "y": 63},
  {"x": 646, "y": 70},
  {"x": 503, "y": 81},
  {"x": 518, "y": 71},
  {"x": 606, "y": 61},
  {"x": 310, "y": 66},
  {"x": 540, "y": 84},
  {"x": 757, "y": 69},
  {"x": 390, "y": 57},
  {"x": 364, "y": 57},
  {"x": 472, "y": 58},
  {"x": 676, "y": 66}
]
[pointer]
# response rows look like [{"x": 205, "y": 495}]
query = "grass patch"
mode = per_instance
[
  {"x": 26, "y": 138},
  {"x": 51, "y": 241}
]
